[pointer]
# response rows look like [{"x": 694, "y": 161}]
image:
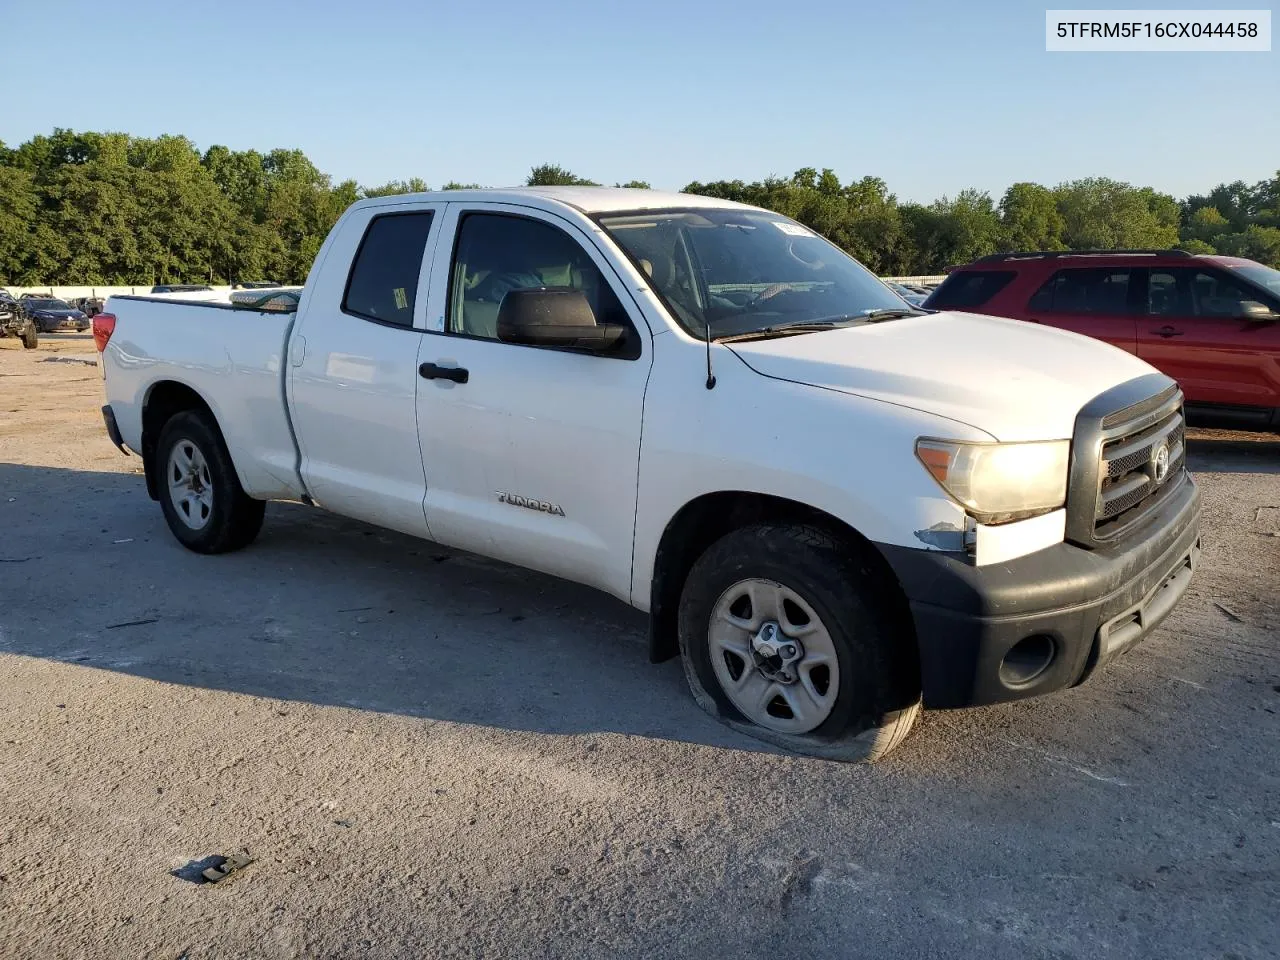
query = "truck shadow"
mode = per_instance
[
  {"x": 325, "y": 610},
  {"x": 335, "y": 612}
]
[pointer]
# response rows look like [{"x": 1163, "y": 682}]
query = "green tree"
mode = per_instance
[
  {"x": 1029, "y": 219},
  {"x": 1205, "y": 224},
  {"x": 1196, "y": 246},
  {"x": 551, "y": 175},
  {"x": 19, "y": 203},
  {"x": 952, "y": 231},
  {"x": 241, "y": 176},
  {"x": 396, "y": 187},
  {"x": 106, "y": 207},
  {"x": 1100, "y": 214},
  {"x": 1254, "y": 243}
]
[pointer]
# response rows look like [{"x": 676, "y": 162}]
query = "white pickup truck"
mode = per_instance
[{"x": 835, "y": 507}]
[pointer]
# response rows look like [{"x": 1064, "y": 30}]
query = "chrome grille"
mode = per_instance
[
  {"x": 1114, "y": 482},
  {"x": 1130, "y": 469}
]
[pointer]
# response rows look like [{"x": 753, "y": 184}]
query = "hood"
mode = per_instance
[
  {"x": 57, "y": 312},
  {"x": 1012, "y": 379}
]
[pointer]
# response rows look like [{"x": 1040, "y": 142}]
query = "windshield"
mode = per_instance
[
  {"x": 1264, "y": 277},
  {"x": 49, "y": 305},
  {"x": 741, "y": 271}
]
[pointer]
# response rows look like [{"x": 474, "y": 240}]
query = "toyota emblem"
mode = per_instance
[{"x": 1160, "y": 462}]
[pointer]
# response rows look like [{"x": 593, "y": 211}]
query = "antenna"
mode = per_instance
[{"x": 711, "y": 377}]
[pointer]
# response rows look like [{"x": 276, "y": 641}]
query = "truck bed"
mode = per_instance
[{"x": 234, "y": 358}]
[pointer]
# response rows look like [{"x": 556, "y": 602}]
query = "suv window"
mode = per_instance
[
  {"x": 1101, "y": 290},
  {"x": 968, "y": 289},
  {"x": 498, "y": 252},
  {"x": 1192, "y": 292},
  {"x": 384, "y": 277},
  {"x": 1215, "y": 294}
]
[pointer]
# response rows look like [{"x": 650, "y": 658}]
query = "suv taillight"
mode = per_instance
[{"x": 104, "y": 325}]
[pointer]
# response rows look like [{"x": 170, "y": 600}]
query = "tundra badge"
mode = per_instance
[{"x": 540, "y": 505}]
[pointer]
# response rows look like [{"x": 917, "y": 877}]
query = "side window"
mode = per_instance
[
  {"x": 1215, "y": 294},
  {"x": 969, "y": 289},
  {"x": 498, "y": 252},
  {"x": 1098, "y": 290},
  {"x": 1167, "y": 293},
  {"x": 383, "y": 284}
]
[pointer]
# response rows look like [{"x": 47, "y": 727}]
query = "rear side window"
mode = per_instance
[
  {"x": 1101, "y": 290},
  {"x": 383, "y": 284},
  {"x": 968, "y": 289}
]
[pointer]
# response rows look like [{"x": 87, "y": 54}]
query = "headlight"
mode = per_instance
[{"x": 999, "y": 482}]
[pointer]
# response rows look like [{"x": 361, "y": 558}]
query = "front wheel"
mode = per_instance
[
  {"x": 788, "y": 635},
  {"x": 200, "y": 494},
  {"x": 30, "y": 339}
]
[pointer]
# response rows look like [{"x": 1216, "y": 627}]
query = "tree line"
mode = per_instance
[{"x": 108, "y": 208}]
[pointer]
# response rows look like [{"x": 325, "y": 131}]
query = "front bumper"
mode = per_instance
[{"x": 1075, "y": 609}]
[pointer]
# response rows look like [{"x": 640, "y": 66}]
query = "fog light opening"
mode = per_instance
[{"x": 1027, "y": 659}]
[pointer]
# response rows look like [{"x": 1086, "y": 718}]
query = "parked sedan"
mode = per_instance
[{"x": 50, "y": 314}]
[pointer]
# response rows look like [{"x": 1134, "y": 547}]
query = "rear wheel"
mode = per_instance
[
  {"x": 30, "y": 339},
  {"x": 200, "y": 494},
  {"x": 786, "y": 634}
]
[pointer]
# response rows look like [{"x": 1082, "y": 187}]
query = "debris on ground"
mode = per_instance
[
  {"x": 1231, "y": 614},
  {"x": 212, "y": 869}
]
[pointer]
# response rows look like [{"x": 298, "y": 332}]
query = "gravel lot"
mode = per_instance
[{"x": 427, "y": 754}]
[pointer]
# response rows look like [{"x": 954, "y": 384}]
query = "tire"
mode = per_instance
[
  {"x": 30, "y": 339},
  {"x": 200, "y": 494},
  {"x": 854, "y": 680}
]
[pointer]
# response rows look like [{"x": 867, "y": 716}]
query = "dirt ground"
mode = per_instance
[{"x": 427, "y": 754}]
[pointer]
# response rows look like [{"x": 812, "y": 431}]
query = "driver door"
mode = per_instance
[
  {"x": 531, "y": 452},
  {"x": 1192, "y": 331}
]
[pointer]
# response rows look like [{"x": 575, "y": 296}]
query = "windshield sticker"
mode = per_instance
[
  {"x": 792, "y": 229},
  {"x": 402, "y": 302}
]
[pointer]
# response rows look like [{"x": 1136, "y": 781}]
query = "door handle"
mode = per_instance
[
  {"x": 431, "y": 371},
  {"x": 1167, "y": 331}
]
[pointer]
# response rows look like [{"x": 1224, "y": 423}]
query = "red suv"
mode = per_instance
[{"x": 1212, "y": 323}]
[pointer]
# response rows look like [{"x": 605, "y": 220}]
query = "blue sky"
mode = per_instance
[{"x": 931, "y": 96}]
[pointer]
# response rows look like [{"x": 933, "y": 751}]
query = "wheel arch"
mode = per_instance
[
  {"x": 162, "y": 401},
  {"x": 707, "y": 518}
]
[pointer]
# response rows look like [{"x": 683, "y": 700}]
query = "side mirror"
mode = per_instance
[
  {"x": 554, "y": 317},
  {"x": 1255, "y": 312}
]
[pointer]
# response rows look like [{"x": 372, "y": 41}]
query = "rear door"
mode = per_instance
[
  {"x": 532, "y": 452},
  {"x": 354, "y": 376},
  {"x": 1191, "y": 329},
  {"x": 1099, "y": 302}
]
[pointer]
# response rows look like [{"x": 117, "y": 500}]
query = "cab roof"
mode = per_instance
[{"x": 589, "y": 200}]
